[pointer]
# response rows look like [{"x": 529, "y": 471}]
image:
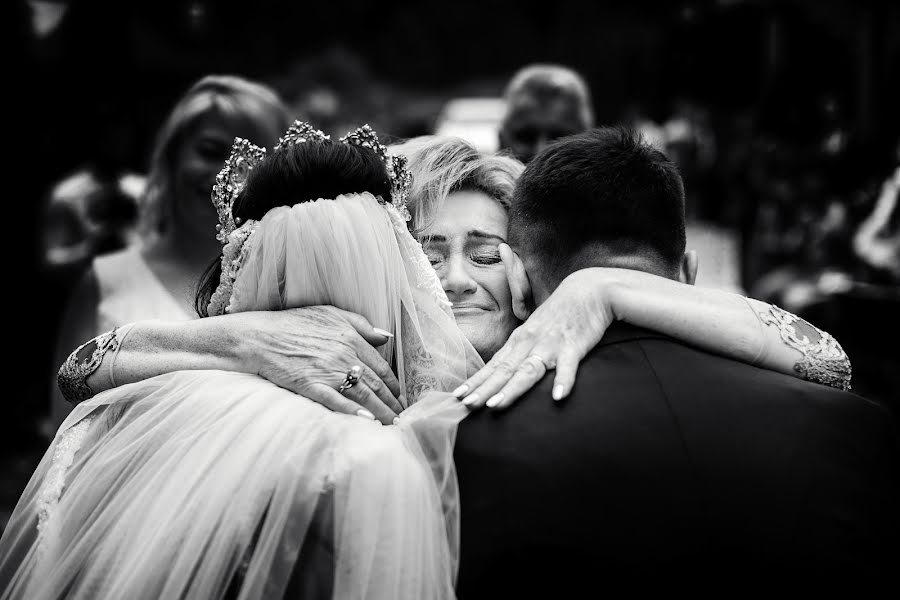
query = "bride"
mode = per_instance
[{"x": 204, "y": 484}]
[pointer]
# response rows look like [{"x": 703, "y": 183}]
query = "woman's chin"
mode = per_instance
[
  {"x": 483, "y": 332},
  {"x": 473, "y": 321}
]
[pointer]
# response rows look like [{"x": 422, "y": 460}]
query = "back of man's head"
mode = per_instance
[{"x": 602, "y": 198}]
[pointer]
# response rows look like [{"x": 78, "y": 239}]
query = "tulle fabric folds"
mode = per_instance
[
  {"x": 209, "y": 484},
  {"x": 357, "y": 254}
]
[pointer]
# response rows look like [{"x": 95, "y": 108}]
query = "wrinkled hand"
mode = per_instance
[
  {"x": 310, "y": 350},
  {"x": 557, "y": 335}
]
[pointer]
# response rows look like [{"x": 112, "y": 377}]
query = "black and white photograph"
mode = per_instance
[{"x": 438, "y": 300}]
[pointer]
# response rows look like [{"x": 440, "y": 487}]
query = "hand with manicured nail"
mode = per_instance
[
  {"x": 557, "y": 335},
  {"x": 310, "y": 350}
]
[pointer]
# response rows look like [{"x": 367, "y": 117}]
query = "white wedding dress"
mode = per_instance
[{"x": 210, "y": 484}]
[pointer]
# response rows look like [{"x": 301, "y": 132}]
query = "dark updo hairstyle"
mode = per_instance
[{"x": 301, "y": 173}]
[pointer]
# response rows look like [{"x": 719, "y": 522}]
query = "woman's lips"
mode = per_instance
[{"x": 467, "y": 309}]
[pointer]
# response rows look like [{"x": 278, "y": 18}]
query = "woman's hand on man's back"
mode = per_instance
[{"x": 555, "y": 335}]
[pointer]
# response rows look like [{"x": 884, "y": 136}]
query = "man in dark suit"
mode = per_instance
[{"x": 666, "y": 467}]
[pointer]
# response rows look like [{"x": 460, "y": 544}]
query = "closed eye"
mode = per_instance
[{"x": 485, "y": 258}]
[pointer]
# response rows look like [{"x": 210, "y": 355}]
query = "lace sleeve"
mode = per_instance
[
  {"x": 87, "y": 358},
  {"x": 823, "y": 360}
]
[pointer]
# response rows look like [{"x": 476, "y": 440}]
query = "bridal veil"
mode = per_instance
[{"x": 210, "y": 484}]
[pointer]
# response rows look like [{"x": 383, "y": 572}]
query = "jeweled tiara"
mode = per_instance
[{"x": 246, "y": 156}]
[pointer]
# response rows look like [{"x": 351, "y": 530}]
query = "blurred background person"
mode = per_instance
[
  {"x": 877, "y": 239},
  {"x": 544, "y": 102},
  {"x": 157, "y": 278},
  {"x": 687, "y": 137},
  {"x": 87, "y": 214}
]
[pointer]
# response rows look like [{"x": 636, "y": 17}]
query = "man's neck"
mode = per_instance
[{"x": 542, "y": 288}]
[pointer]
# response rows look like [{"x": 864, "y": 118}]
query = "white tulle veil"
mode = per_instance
[
  {"x": 306, "y": 254},
  {"x": 209, "y": 484}
]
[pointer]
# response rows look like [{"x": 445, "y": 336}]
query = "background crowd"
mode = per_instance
[{"x": 782, "y": 115}]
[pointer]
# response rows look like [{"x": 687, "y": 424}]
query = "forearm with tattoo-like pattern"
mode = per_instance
[
  {"x": 823, "y": 360},
  {"x": 73, "y": 374}
]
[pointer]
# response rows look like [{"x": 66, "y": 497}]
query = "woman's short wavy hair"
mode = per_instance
[
  {"x": 441, "y": 165},
  {"x": 232, "y": 97}
]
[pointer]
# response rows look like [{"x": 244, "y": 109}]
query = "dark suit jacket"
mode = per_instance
[{"x": 669, "y": 467}]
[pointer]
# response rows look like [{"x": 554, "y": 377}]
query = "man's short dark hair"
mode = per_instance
[{"x": 600, "y": 198}]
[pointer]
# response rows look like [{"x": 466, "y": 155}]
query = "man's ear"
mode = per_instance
[
  {"x": 688, "y": 272},
  {"x": 519, "y": 286}
]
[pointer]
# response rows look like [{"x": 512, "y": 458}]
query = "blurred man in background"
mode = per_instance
[{"x": 543, "y": 102}]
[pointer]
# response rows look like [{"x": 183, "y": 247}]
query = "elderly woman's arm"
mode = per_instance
[
  {"x": 304, "y": 350},
  {"x": 571, "y": 322}
]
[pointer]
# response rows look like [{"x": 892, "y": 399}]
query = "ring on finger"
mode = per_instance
[
  {"x": 532, "y": 364},
  {"x": 351, "y": 379},
  {"x": 541, "y": 360}
]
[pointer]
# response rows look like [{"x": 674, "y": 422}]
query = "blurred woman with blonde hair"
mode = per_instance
[{"x": 157, "y": 278}]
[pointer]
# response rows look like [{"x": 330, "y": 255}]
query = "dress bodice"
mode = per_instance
[{"x": 131, "y": 291}]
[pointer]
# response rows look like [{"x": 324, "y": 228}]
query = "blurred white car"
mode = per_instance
[{"x": 476, "y": 120}]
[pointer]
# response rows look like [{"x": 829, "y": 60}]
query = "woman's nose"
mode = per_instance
[{"x": 456, "y": 279}]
